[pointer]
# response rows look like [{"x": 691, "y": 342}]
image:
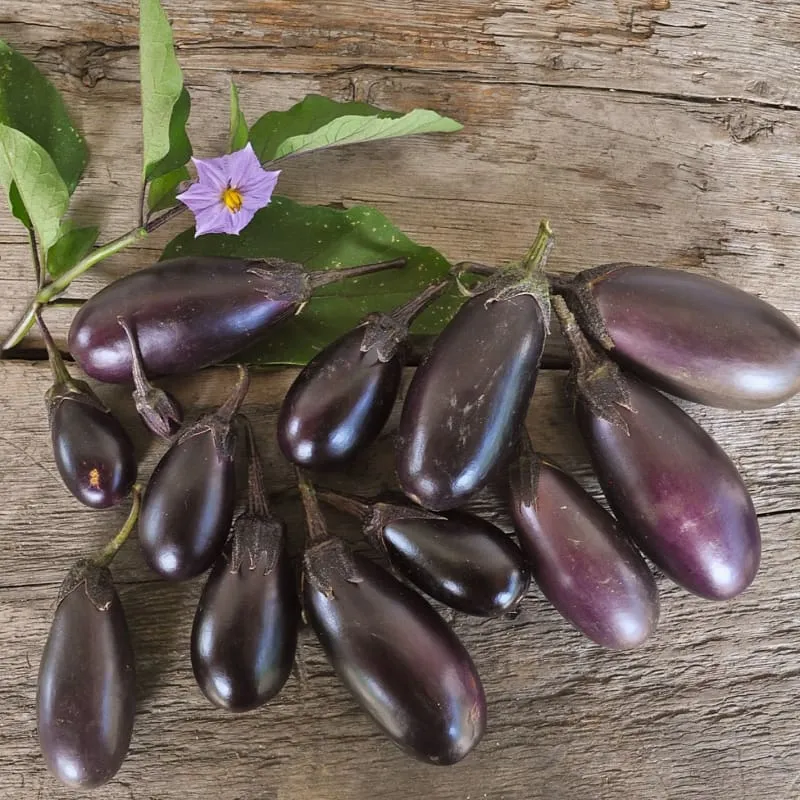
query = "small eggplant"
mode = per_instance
[
  {"x": 189, "y": 313},
  {"x": 86, "y": 692},
  {"x": 245, "y": 629},
  {"x": 583, "y": 564},
  {"x": 671, "y": 486},
  {"x": 159, "y": 410},
  {"x": 189, "y": 502},
  {"x": 467, "y": 400},
  {"x": 340, "y": 401},
  {"x": 458, "y": 559},
  {"x": 393, "y": 652},
  {"x": 93, "y": 453},
  {"x": 692, "y": 336}
]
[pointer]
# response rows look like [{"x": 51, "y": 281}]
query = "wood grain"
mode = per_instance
[{"x": 646, "y": 130}]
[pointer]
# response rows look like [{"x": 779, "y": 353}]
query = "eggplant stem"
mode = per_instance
[
  {"x": 137, "y": 368},
  {"x": 536, "y": 258},
  {"x": 347, "y": 503},
  {"x": 257, "y": 504},
  {"x": 409, "y": 311},
  {"x": 112, "y": 548},
  {"x": 317, "y": 530},
  {"x": 324, "y": 277},
  {"x": 231, "y": 406},
  {"x": 60, "y": 374},
  {"x": 474, "y": 267},
  {"x": 581, "y": 351}
]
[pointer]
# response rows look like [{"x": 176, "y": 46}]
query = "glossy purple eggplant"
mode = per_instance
[
  {"x": 93, "y": 453},
  {"x": 393, "y": 652},
  {"x": 340, "y": 401},
  {"x": 458, "y": 559},
  {"x": 692, "y": 336},
  {"x": 469, "y": 397},
  {"x": 671, "y": 486},
  {"x": 245, "y": 628},
  {"x": 86, "y": 691},
  {"x": 583, "y": 564},
  {"x": 191, "y": 312},
  {"x": 189, "y": 502}
]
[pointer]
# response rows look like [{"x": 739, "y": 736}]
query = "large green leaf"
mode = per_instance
[
  {"x": 73, "y": 245},
  {"x": 41, "y": 188},
  {"x": 318, "y": 122},
  {"x": 239, "y": 132},
  {"x": 180, "y": 148},
  {"x": 162, "y": 191},
  {"x": 161, "y": 83},
  {"x": 324, "y": 238},
  {"x": 31, "y": 104}
]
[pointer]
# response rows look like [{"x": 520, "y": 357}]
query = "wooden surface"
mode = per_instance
[{"x": 644, "y": 132}]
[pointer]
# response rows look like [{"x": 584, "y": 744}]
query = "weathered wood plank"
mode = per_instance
[
  {"x": 702, "y": 711},
  {"x": 45, "y": 529},
  {"x": 622, "y": 177}
]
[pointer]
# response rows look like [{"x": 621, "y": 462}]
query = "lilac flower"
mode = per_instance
[{"x": 228, "y": 191}]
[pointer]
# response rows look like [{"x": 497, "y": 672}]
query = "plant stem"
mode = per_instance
[
  {"x": 409, "y": 311},
  {"x": 49, "y": 292},
  {"x": 60, "y": 374},
  {"x": 231, "y": 406},
  {"x": 324, "y": 277},
  {"x": 37, "y": 263},
  {"x": 111, "y": 549},
  {"x": 256, "y": 493},
  {"x": 583, "y": 354},
  {"x": 536, "y": 258},
  {"x": 345, "y": 503},
  {"x": 317, "y": 530}
]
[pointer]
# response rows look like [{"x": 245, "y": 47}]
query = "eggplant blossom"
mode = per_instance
[{"x": 228, "y": 191}]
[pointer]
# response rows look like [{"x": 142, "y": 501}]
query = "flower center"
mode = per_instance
[{"x": 232, "y": 199}]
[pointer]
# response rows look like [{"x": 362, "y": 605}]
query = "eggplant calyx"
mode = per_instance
[
  {"x": 96, "y": 580},
  {"x": 325, "y": 561},
  {"x": 283, "y": 281},
  {"x": 256, "y": 540}
]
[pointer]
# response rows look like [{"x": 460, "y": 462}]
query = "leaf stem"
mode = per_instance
[
  {"x": 37, "y": 262},
  {"x": 111, "y": 549}
]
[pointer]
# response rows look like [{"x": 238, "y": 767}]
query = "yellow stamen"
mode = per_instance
[
  {"x": 94, "y": 478},
  {"x": 232, "y": 199}
]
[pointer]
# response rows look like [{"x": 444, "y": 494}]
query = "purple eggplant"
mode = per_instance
[
  {"x": 583, "y": 564},
  {"x": 458, "y": 559},
  {"x": 340, "y": 401},
  {"x": 189, "y": 502},
  {"x": 393, "y": 652},
  {"x": 692, "y": 336},
  {"x": 671, "y": 486},
  {"x": 191, "y": 312},
  {"x": 467, "y": 400},
  {"x": 245, "y": 629},
  {"x": 86, "y": 692},
  {"x": 93, "y": 453}
]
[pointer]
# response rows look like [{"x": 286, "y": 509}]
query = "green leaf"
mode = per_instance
[
  {"x": 73, "y": 245},
  {"x": 162, "y": 83},
  {"x": 318, "y": 122},
  {"x": 324, "y": 238},
  {"x": 162, "y": 191},
  {"x": 239, "y": 130},
  {"x": 18, "y": 207},
  {"x": 41, "y": 189},
  {"x": 31, "y": 104},
  {"x": 180, "y": 148}
]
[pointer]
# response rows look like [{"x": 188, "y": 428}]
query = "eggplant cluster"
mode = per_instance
[{"x": 675, "y": 496}]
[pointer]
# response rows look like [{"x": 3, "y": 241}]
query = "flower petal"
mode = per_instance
[
  {"x": 211, "y": 172},
  {"x": 215, "y": 219},
  {"x": 242, "y": 166},
  {"x": 260, "y": 188},
  {"x": 242, "y": 218},
  {"x": 198, "y": 194}
]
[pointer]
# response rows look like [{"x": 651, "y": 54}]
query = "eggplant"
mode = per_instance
[
  {"x": 692, "y": 336},
  {"x": 468, "y": 398},
  {"x": 86, "y": 690},
  {"x": 245, "y": 629},
  {"x": 458, "y": 559},
  {"x": 93, "y": 453},
  {"x": 191, "y": 312},
  {"x": 189, "y": 502},
  {"x": 583, "y": 564},
  {"x": 393, "y": 652},
  {"x": 340, "y": 401},
  {"x": 671, "y": 486}
]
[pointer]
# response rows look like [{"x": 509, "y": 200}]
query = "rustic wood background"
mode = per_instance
[{"x": 646, "y": 131}]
